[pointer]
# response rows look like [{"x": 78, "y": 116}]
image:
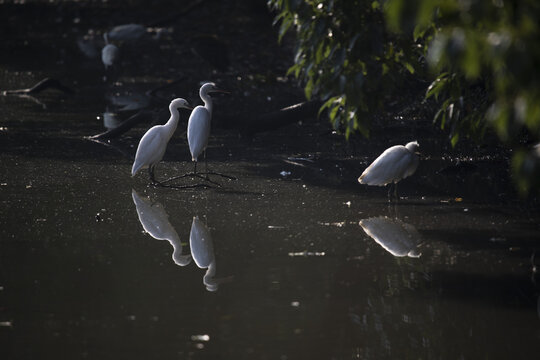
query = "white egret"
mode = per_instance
[
  {"x": 398, "y": 238},
  {"x": 154, "y": 143},
  {"x": 110, "y": 53},
  {"x": 394, "y": 164},
  {"x": 127, "y": 32},
  {"x": 198, "y": 129}
]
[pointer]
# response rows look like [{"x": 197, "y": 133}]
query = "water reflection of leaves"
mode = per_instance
[{"x": 398, "y": 238}]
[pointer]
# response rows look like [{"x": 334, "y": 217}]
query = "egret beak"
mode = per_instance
[
  {"x": 185, "y": 107},
  {"x": 215, "y": 90}
]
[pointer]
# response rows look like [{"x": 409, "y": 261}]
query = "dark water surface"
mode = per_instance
[
  {"x": 275, "y": 267},
  {"x": 293, "y": 260}
]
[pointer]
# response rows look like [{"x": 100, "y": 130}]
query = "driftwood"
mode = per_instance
[
  {"x": 126, "y": 125},
  {"x": 177, "y": 15},
  {"x": 39, "y": 87},
  {"x": 248, "y": 125}
]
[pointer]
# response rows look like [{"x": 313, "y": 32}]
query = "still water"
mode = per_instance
[
  {"x": 275, "y": 265},
  {"x": 293, "y": 260}
]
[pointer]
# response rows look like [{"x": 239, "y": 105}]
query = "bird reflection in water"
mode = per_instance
[
  {"x": 398, "y": 238},
  {"x": 155, "y": 222},
  {"x": 202, "y": 251}
]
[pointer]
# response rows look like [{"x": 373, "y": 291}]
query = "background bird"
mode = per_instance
[
  {"x": 394, "y": 164},
  {"x": 127, "y": 32},
  {"x": 198, "y": 130},
  {"x": 154, "y": 143},
  {"x": 110, "y": 53}
]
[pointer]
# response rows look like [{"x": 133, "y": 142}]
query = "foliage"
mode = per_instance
[
  {"x": 346, "y": 56},
  {"x": 481, "y": 57}
]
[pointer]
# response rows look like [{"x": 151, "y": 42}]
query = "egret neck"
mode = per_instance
[
  {"x": 172, "y": 123},
  {"x": 206, "y": 99}
]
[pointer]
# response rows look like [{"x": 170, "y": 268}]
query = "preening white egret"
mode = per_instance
[
  {"x": 198, "y": 129},
  {"x": 394, "y": 164},
  {"x": 398, "y": 238},
  {"x": 155, "y": 222},
  {"x": 110, "y": 53},
  {"x": 154, "y": 143}
]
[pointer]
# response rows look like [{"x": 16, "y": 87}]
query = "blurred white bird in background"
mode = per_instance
[
  {"x": 394, "y": 164},
  {"x": 127, "y": 32},
  {"x": 109, "y": 54},
  {"x": 154, "y": 143}
]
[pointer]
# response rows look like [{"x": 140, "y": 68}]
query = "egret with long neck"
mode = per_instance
[
  {"x": 154, "y": 143},
  {"x": 198, "y": 130}
]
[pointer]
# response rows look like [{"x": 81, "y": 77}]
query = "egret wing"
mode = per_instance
[
  {"x": 151, "y": 149},
  {"x": 385, "y": 168},
  {"x": 198, "y": 131}
]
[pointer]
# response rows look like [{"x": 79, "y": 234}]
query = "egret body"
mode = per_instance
[
  {"x": 394, "y": 164},
  {"x": 110, "y": 53},
  {"x": 198, "y": 130},
  {"x": 154, "y": 143},
  {"x": 127, "y": 32}
]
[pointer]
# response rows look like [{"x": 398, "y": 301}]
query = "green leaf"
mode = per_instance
[
  {"x": 308, "y": 89},
  {"x": 409, "y": 67},
  {"x": 454, "y": 140}
]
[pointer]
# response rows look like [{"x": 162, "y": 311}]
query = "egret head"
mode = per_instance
[
  {"x": 210, "y": 87},
  {"x": 180, "y": 103},
  {"x": 413, "y": 146},
  {"x": 181, "y": 260},
  {"x": 414, "y": 254}
]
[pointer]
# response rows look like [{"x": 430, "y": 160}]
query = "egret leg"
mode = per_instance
[
  {"x": 206, "y": 165},
  {"x": 195, "y": 168},
  {"x": 395, "y": 191},
  {"x": 152, "y": 176}
]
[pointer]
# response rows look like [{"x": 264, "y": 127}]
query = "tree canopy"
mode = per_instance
[{"x": 480, "y": 59}]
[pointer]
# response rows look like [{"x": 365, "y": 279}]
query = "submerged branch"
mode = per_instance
[
  {"x": 126, "y": 125},
  {"x": 251, "y": 124},
  {"x": 39, "y": 87}
]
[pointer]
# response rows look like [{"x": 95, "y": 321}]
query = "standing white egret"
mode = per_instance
[
  {"x": 394, "y": 164},
  {"x": 154, "y": 143},
  {"x": 198, "y": 129},
  {"x": 109, "y": 54}
]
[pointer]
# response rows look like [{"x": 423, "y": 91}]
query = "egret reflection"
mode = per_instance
[
  {"x": 398, "y": 238},
  {"x": 202, "y": 252},
  {"x": 155, "y": 222}
]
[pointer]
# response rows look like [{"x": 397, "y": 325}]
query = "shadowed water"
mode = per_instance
[
  {"x": 293, "y": 260},
  {"x": 264, "y": 267}
]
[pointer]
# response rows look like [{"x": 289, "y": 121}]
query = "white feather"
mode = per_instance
[{"x": 394, "y": 164}]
